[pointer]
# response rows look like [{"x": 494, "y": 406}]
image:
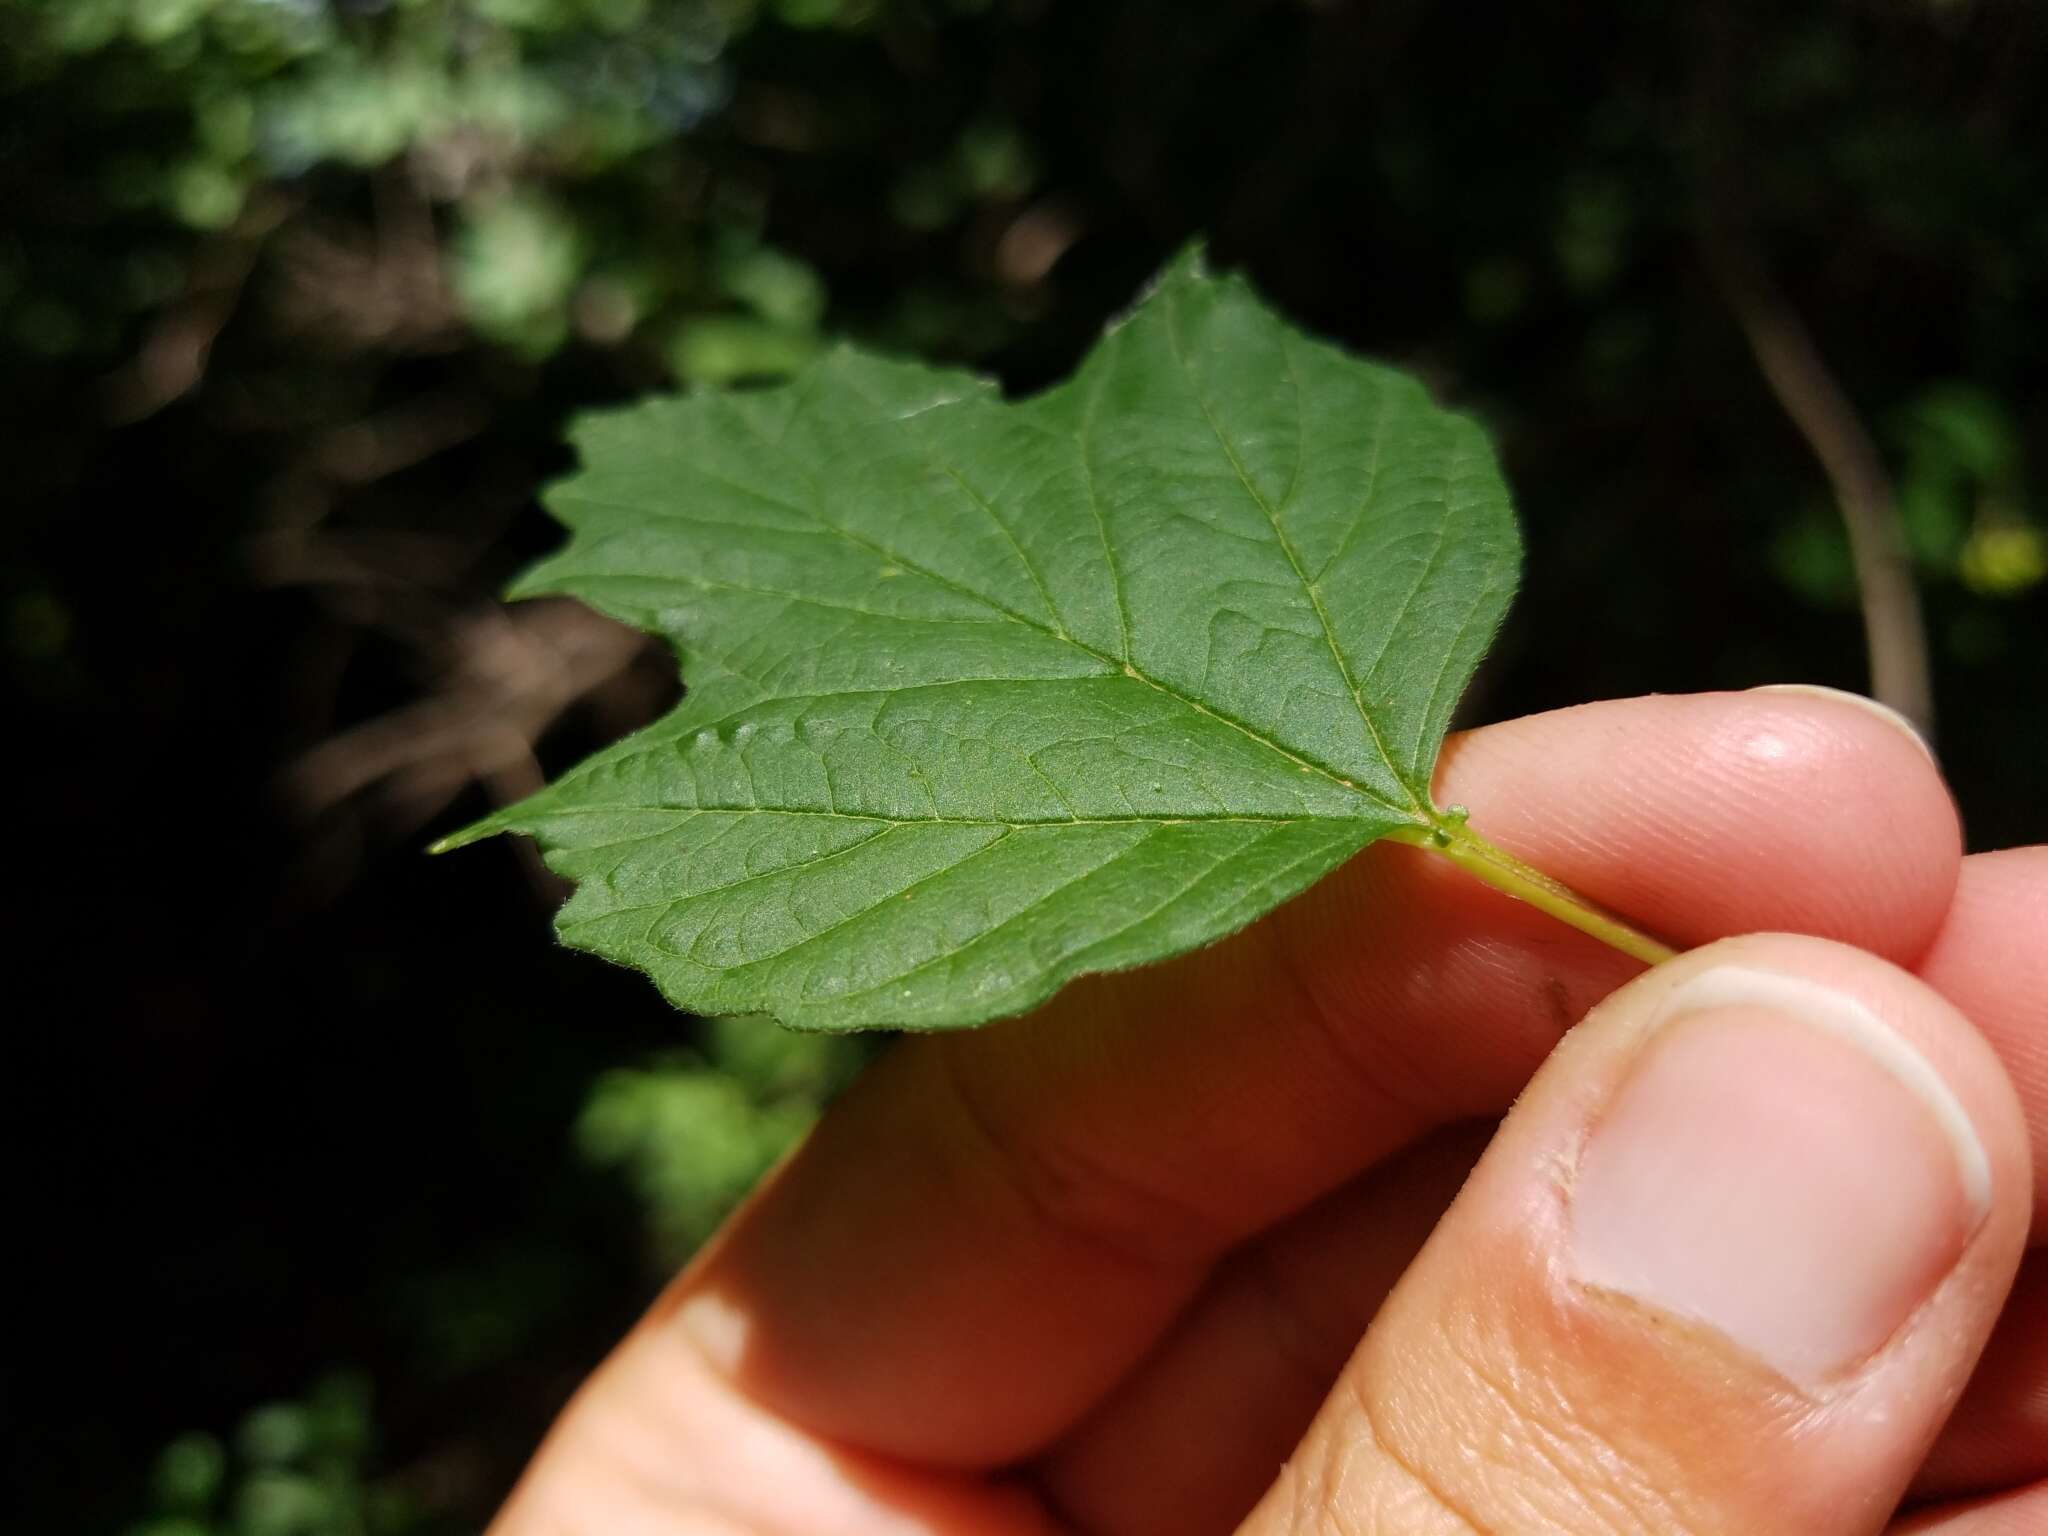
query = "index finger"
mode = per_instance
[{"x": 992, "y": 1228}]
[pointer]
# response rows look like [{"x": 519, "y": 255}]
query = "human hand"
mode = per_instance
[{"x": 1726, "y": 1266}]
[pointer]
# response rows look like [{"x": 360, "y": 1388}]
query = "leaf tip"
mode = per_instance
[
  {"x": 1189, "y": 264},
  {"x": 476, "y": 832}
]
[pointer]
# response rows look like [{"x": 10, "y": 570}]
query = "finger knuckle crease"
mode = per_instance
[{"x": 1083, "y": 1198}]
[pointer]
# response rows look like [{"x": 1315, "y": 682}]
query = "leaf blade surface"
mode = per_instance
[{"x": 986, "y": 694}]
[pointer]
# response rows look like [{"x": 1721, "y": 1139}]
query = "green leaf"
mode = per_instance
[{"x": 984, "y": 695}]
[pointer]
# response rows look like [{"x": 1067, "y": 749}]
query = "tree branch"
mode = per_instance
[{"x": 1894, "y": 630}]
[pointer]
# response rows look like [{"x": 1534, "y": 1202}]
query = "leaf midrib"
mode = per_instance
[{"x": 687, "y": 811}]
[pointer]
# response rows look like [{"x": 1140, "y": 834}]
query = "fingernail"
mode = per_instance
[
  {"x": 1884, "y": 712},
  {"x": 1782, "y": 1166}
]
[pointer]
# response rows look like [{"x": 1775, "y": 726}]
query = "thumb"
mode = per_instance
[{"x": 1724, "y": 1269}]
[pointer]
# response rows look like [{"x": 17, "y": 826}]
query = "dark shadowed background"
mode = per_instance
[{"x": 329, "y": 1174}]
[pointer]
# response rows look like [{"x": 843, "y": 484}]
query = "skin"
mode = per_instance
[{"x": 1123, "y": 1267}]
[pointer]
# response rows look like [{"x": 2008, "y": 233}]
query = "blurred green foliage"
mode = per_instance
[
  {"x": 692, "y": 1132},
  {"x": 301, "y": 1468},
  {"x": 1963, "y": 505},
  {"x": 511, "y": 115},
  {"x": 548, "y": 140}
]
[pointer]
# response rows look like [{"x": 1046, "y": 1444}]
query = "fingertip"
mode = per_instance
[
  {"x": 1875, "y": 708},
  {"x": 1704, "y": 815}
]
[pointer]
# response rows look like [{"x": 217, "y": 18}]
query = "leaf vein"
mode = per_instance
[{"x": 1315, "y": 596}]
